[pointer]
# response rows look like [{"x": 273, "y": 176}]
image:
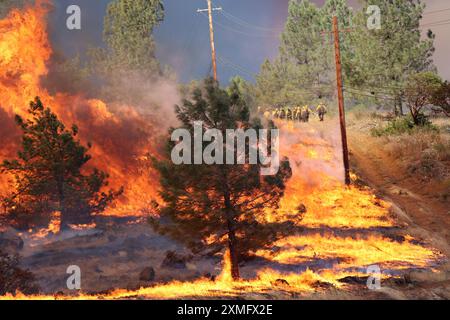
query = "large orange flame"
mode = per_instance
[
  {"x": 121, "y": 137},
  {"x": 353, "y": 217}
]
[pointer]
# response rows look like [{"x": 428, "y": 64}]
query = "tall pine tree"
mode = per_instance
[
  {"x": 304, "y": 68},
  {"x": 130, "y": 52},
  {"x": 382, "y": 60},
  {"x": 218, "y": 206}
]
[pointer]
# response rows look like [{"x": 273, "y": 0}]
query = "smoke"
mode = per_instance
[
  {"x": 315, "y": 152},
  {"x": 122, "y": 134}
]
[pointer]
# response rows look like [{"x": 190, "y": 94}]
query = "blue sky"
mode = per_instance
[{"x": 247, "y": 32}]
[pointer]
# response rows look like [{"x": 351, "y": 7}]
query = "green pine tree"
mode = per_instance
[
  {"x": 214, "y": 207},
  {"x": 382, "y": 60},
  {"x": 48, "y": 173},
  {"x": 130, "y": 52},
  {"x": 304, "y": 69}
]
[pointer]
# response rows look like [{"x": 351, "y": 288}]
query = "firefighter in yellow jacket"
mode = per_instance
[
  {"x": 305, "y": 113},
  {"x": 321, "y": 111}
]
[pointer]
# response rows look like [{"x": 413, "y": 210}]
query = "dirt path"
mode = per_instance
[{"x": 413, "y": 197}]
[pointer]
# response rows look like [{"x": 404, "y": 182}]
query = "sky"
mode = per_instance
[{"x": 246, "y": 33}]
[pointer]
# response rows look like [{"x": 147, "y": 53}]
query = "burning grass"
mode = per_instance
[
  {"x": 344, "y": 231},
  {"x": 340, "y": 232}
]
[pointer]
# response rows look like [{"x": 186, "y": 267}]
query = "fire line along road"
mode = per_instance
[{"x": 226, "y": 310}]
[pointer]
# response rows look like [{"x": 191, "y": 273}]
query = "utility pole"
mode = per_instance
[
  {"x": 211, "y": 35},
  {"x": 341, "y": 99}
]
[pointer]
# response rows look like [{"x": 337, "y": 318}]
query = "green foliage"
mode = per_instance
[
  {"x": 441, "y": 98},
  {"x": 14, "y": 279},
  {"x": 382, "y": 60},
  {"x": 245, "y": 89},
  {"x": 404, "y": 125},
  {"x": 420, "y": 91},
  {"x": 377, "y": 62},
  {"x": 130, "y": 53},
  {"x": 304, "y": 69},
  {"x": 48, "y": 171},
  {"x": 128, "y": 29},
  {"x": 210, "y": 207}
]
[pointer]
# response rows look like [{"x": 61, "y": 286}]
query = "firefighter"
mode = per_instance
[
  {"x": 305, "y": 113},
  {"x": 321, "y": 111},
  {"x": 282, "y": 114},
  {"x": 296, "y": 115},
  {"x": 289, "y": 114},
  {"x": 275, "y": 113}
]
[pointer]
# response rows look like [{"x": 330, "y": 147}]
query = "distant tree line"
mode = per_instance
[{"x": 378, "y": 65}]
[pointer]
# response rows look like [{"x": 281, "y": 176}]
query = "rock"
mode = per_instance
[
  {"x": 174, "y": 260},
  {"x": 148, "y": 274},
  {"x": 322, "y": 285},
  {"x": 112, "y": 238}
]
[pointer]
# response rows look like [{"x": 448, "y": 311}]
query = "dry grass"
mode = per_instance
[{"x": 424, "y": 152}]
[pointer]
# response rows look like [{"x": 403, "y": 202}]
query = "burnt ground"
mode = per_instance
[{"x": 114, "y": 254}]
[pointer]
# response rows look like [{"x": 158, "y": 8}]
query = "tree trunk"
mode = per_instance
[
  {"x": 232, "y": 241},
  {"x": 414, "y": 115},
  {"x": 234, "y": 260},
  {"x": 395, "y": 108},
  {"x": 398, "y": 100},
  {"x": 64, "y": 224}
]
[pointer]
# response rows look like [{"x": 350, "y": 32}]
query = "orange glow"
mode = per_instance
[
  {"x": 24, "y": 55},
  {"x": 331, "y": 210}
]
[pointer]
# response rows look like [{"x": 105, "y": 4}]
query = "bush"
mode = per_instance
[
  {"x": 424, "y": 153},
  {"x": 404, "y": 125},
  {"x": 14, "y": 279}
]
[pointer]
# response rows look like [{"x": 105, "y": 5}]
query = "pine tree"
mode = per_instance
[
  {"x": 128, "y": 29},
  {"x": 130, "y": 51},
  {"x": 48, "y": 173},
  {"x": 304, "y": 69},
  {"x": 381, "y": 60},
  {"x": 212, "y": 207}
]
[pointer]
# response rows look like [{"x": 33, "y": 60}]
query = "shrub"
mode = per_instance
[
  {"x": 404, "y": 125},
  {"x": 14, "y": 279}
]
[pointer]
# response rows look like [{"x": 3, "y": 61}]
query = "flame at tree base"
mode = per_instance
[
  {"x": 343, "y": 231},
  {"x": 322, "y": 259}
]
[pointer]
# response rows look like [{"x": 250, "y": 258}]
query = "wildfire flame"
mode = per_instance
[
  {"x": 340, "y": 234},
  {"x": 121, "y": 137}
]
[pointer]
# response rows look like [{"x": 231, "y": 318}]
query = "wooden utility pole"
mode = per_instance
[
  {"x": 211, "y": 35},
  {"x": 341, "y": 100}
]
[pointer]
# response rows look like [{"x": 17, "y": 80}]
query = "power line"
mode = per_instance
[
  {"x": 235, "y": 66},
  {"x": 242, "y": 32},
  {"x": 435, "y": 22},
  {"x": 354, "y": 92},
  {"x": 243, "y": 23},
  {"x": 436, "y": 11}
]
